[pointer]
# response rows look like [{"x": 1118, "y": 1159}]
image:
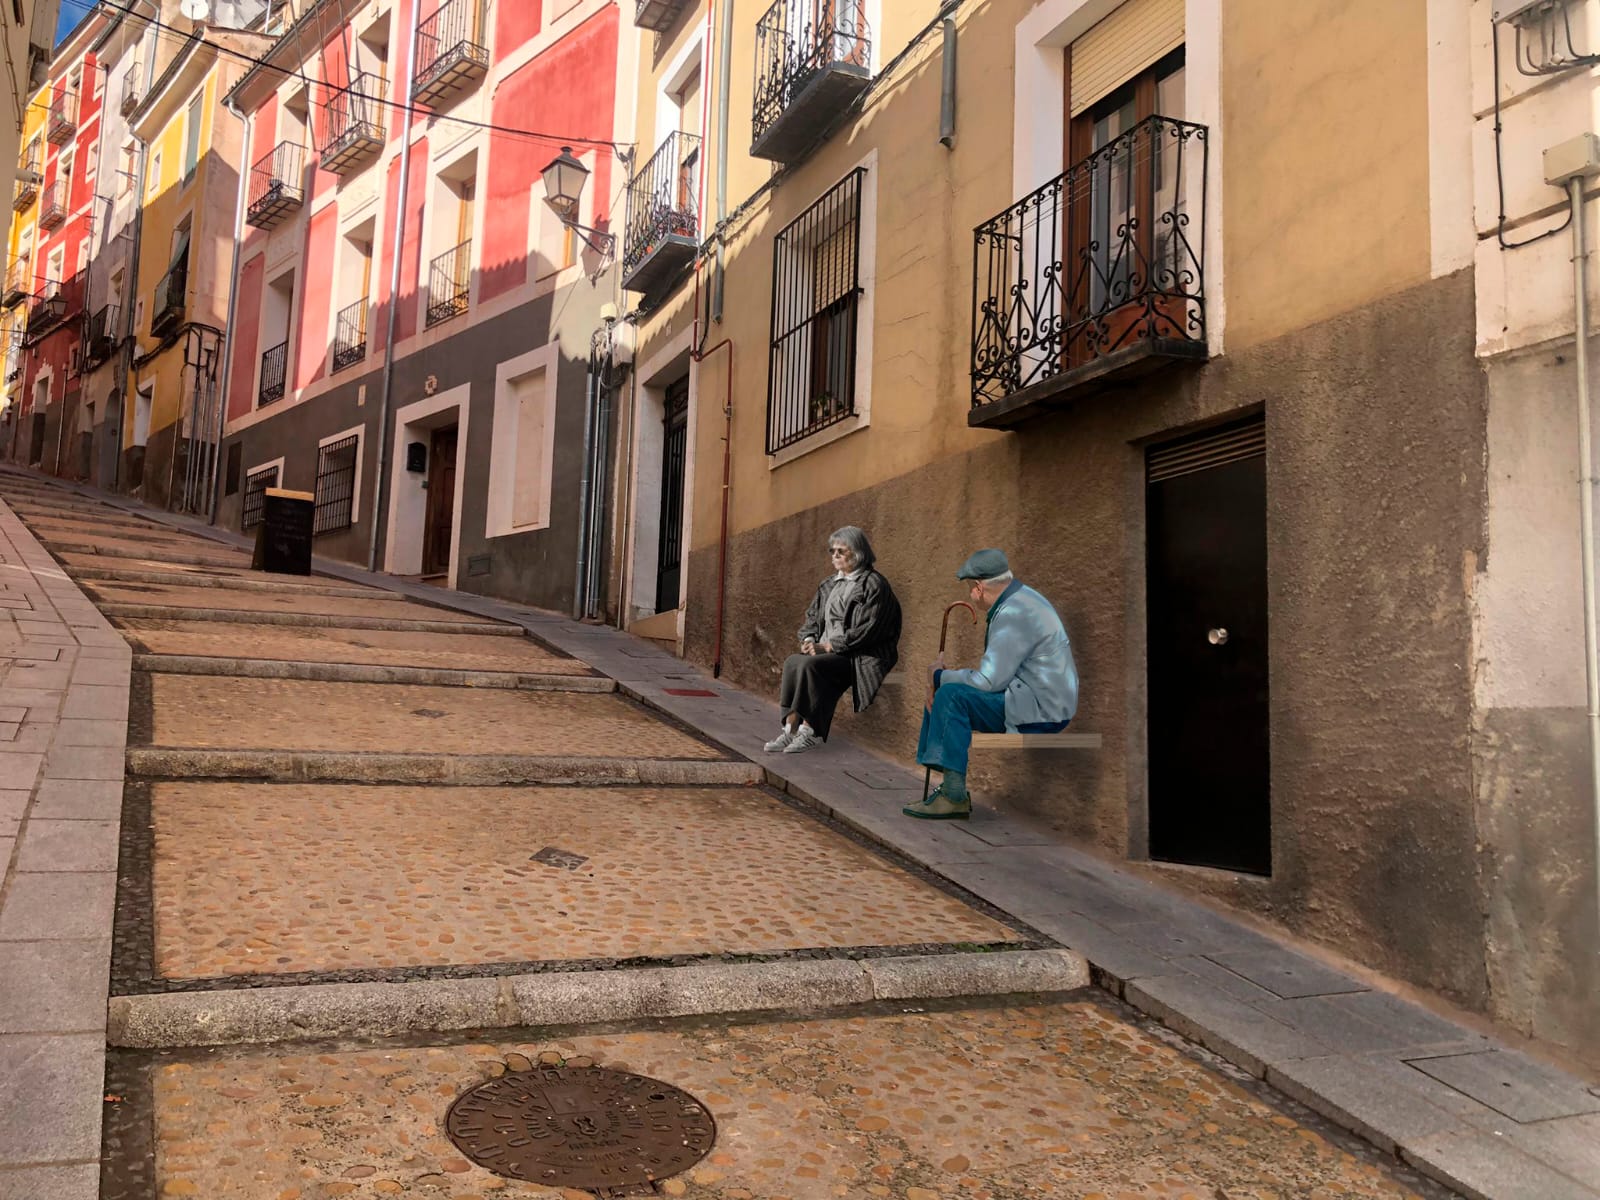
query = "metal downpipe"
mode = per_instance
[
  {"x": 1586, "y": 485},
  {"x": 214, "y": 499},
  {"x": 580, "y": 577},
  {"x": 380, "y": 487}
]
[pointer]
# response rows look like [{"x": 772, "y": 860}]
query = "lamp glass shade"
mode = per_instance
[{"x": 563, "y": 183}]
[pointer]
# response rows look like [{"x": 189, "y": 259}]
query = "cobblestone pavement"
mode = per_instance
[
  {"x": 278, "y": 878},
  {"x": 374, "y": 647},
  {"x": 219, "y": 712},
  {"x": 228, "y": 886},
  {"x": 1021, "y": 1103}
]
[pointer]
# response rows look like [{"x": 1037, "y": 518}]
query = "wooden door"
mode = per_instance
[{"x": 441, "y": 502}]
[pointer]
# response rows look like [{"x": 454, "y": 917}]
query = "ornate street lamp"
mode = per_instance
[{"x": 564, "y": 180}]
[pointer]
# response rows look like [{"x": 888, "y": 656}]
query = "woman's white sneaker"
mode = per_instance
[
  {"x": 781, "y": 742},
  {"x": 804, "y": 739}
]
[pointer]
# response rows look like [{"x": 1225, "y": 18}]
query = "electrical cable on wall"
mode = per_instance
[{"x": 1499, "y": 167}]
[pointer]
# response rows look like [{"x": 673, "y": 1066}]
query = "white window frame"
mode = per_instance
[
  {"x": 153, "y": 183},
  {"x": 360, "y": 432},
  {"x": 498, "y": 518}
]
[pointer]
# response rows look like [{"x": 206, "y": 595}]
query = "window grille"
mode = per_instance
[
  {"x": 816, "y": 289},
  {"x": 256, "y": 484},
  {"x": 336, "y": 484}
]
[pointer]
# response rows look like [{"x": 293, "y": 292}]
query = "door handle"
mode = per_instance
[{"x": 1217, "y": 637}]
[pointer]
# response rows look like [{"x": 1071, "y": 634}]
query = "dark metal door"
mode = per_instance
[
  {"x": 1206, "y": 570},
  {"x": 675, "y": 451},
  {"x": 441, "y": 502}
]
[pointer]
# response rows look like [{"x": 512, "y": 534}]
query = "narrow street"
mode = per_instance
[{"x": 335, "y": 794}]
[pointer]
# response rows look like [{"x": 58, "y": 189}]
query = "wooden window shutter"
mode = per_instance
[{"x": 1134, "y": 37}]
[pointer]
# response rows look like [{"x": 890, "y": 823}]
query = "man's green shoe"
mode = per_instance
[{"x": 940, "y": 807}]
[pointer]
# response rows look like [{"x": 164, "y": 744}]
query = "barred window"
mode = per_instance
[
  {"x": 336, "y": 484},
  {"x": 816, "y": 289},
  {"x": 256, "y": 484}
]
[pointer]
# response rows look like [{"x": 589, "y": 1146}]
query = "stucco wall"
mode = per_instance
[{"x": 1375, "y": 486}]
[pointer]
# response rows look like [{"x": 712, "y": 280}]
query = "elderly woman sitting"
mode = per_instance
[{"x": 850, "y": 640}]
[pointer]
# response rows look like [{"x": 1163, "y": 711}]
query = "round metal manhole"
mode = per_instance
[{"x": 586, "y": 1128}]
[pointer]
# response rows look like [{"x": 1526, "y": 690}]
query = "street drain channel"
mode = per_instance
[{"x": 591, "y": 1129}]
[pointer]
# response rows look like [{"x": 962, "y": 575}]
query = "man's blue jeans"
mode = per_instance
[{"x": 958, "y": 711}]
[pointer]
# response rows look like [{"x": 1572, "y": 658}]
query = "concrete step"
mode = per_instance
[
  {"x": 257, "y": 668},
  {"x": 165, "y": 612}
]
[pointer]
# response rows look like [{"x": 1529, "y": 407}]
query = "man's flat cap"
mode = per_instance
[{"x": 985, "y": 564}]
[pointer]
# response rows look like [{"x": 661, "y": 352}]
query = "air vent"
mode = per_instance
[
  {"x": 1214, "y": 448},
  {"x": 478, "y": 564}
]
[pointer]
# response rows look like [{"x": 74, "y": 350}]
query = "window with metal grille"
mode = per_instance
[
  {"x": 816, "y": 287},
  {"x": 336, "y": 484},
  {"x": 256, "y": 484}
]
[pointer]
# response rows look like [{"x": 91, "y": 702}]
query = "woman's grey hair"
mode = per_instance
[{"x": 854, "y": 540}]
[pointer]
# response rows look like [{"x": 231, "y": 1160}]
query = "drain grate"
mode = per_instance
[
  {"x": 551, "y": 856},
  {"x": 586, "y": 1128}
]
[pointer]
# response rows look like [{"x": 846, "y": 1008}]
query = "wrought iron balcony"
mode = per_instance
[
  {"x": 47, "y": 311},
  {"x": 101, "y": 337},
  {"x": 658, "y": 15},
  {"x": 449, "y": 282},
  {"x": 350, "y": 336},
  {"x": 53, "y": 205},
  {"x": 1095, "y": 278},
  {"x": 274, "y": 368},
  {"x": 19, "y": 278},
  {"x": 451, "y": 55},
  {"x": 813, "y": 59},
  {"x": 168, "y": 303},
  {"x": 354, "y": 130},
  {"x": 277, "y": 185},
  {"x": 662, "y": 232},
  {"x": 24, "y": 194},
  {"x": 132, "y": 88},
  {"x": 62, "y": 122}
]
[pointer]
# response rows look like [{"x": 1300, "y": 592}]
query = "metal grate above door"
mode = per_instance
[{"x": 1213, "y": 448}]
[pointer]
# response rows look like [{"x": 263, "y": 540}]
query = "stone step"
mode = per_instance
[
  {"x": 258, "y": 668},
  {"x": 168, "y": 612}
]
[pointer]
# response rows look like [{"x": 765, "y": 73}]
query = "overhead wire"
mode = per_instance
[{"x": 416, "y": 110}]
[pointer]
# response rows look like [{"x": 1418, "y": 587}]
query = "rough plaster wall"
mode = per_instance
[
  {"x": 1375, "y": 434},
  {"x": 1531, "y": 745}
]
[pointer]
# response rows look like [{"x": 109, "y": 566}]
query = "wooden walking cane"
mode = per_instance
[{"x": 944, "y": 630}]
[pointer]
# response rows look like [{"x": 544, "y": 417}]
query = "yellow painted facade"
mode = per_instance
[
  {"x": 1323, "y": 180},
  {"x": 19, "y": 277}
]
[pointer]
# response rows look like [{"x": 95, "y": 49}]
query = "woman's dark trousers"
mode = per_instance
[{"x": 812, "y": 685}]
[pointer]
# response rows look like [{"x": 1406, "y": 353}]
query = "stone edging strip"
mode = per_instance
[
  {"x": 241, "y": 616},
  {"x": 260, "y": 668},
  {"x": 228, "y": 583},
  {"x": 164, "y": 762},
  {"x": 273, "y": 1014}
]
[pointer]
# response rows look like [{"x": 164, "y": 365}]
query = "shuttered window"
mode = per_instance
[{"x": 1134, "y": 37}]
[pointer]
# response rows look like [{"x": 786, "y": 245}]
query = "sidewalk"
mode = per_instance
[
  {"x": 1465, "y": 1109},
  {"x": 63, "y": 725}
]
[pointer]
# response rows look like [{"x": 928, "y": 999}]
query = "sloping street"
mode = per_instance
[{"x": 373, "y": 853}]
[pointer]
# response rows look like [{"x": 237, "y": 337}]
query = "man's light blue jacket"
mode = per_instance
[{"x": 1026, "y": 654}]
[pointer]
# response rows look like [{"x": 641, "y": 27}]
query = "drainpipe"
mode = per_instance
[
  {"x": 581, "y": 578},
  {"x": 246, "y": 125},
  {"x": 724, "y": 86},
  {"x": 1586, "y": 485},
  {"x": 381, "y": 484}
]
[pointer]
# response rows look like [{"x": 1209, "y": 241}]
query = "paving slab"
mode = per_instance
[
  {"x": 276, "y": 878},
  {"x": 1515, "y": 1084},
  {"x": 211, "y": 712},
  {"x": 1065, "y": 1100},
  {"x": 50, "y": 845},
  {"x": 57, "y": 904},
  {"x": 60, "y": 1075},
  {"x": 75, "y": 1181},
  {"x": 79, "y": 799},
  {"x": 377, "y": 647},
  {"x": 57, "y": 986}
]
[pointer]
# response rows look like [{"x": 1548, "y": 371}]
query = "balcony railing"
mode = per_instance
[
  {"x": 657, "y": 15},
  {"x": 662, "y": 232},
  {"x": 449, "y": 280},
  {"x": 62, "y": 122},
  {"x": 19, "y": 278},
  {"x": 1098, "y": 275},
  {"x": 132, "y": 89},
  {"x": 813, "y": 58},
  {"x": 354, "y": 129},
  {"x": 451, "y": 55},
  {"x": 277, "y": 185},
  {"x": 274, "y": 367},
  {"x": 168, "y": 303},
  {"x": 56, "y": 304},
  {"x": 100, "y": 339},
  {"x": 53, "y": 205},
  {"x": 350, "y": 336}
]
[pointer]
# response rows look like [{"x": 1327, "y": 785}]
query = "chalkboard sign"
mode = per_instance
[{"x": 283, "y": 539}]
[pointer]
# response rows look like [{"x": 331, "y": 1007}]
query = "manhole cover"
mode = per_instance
[{"x": 587, "y": 1128}]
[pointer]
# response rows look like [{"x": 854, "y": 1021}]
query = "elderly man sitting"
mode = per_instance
[{"x": 1026, "y": 683}]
